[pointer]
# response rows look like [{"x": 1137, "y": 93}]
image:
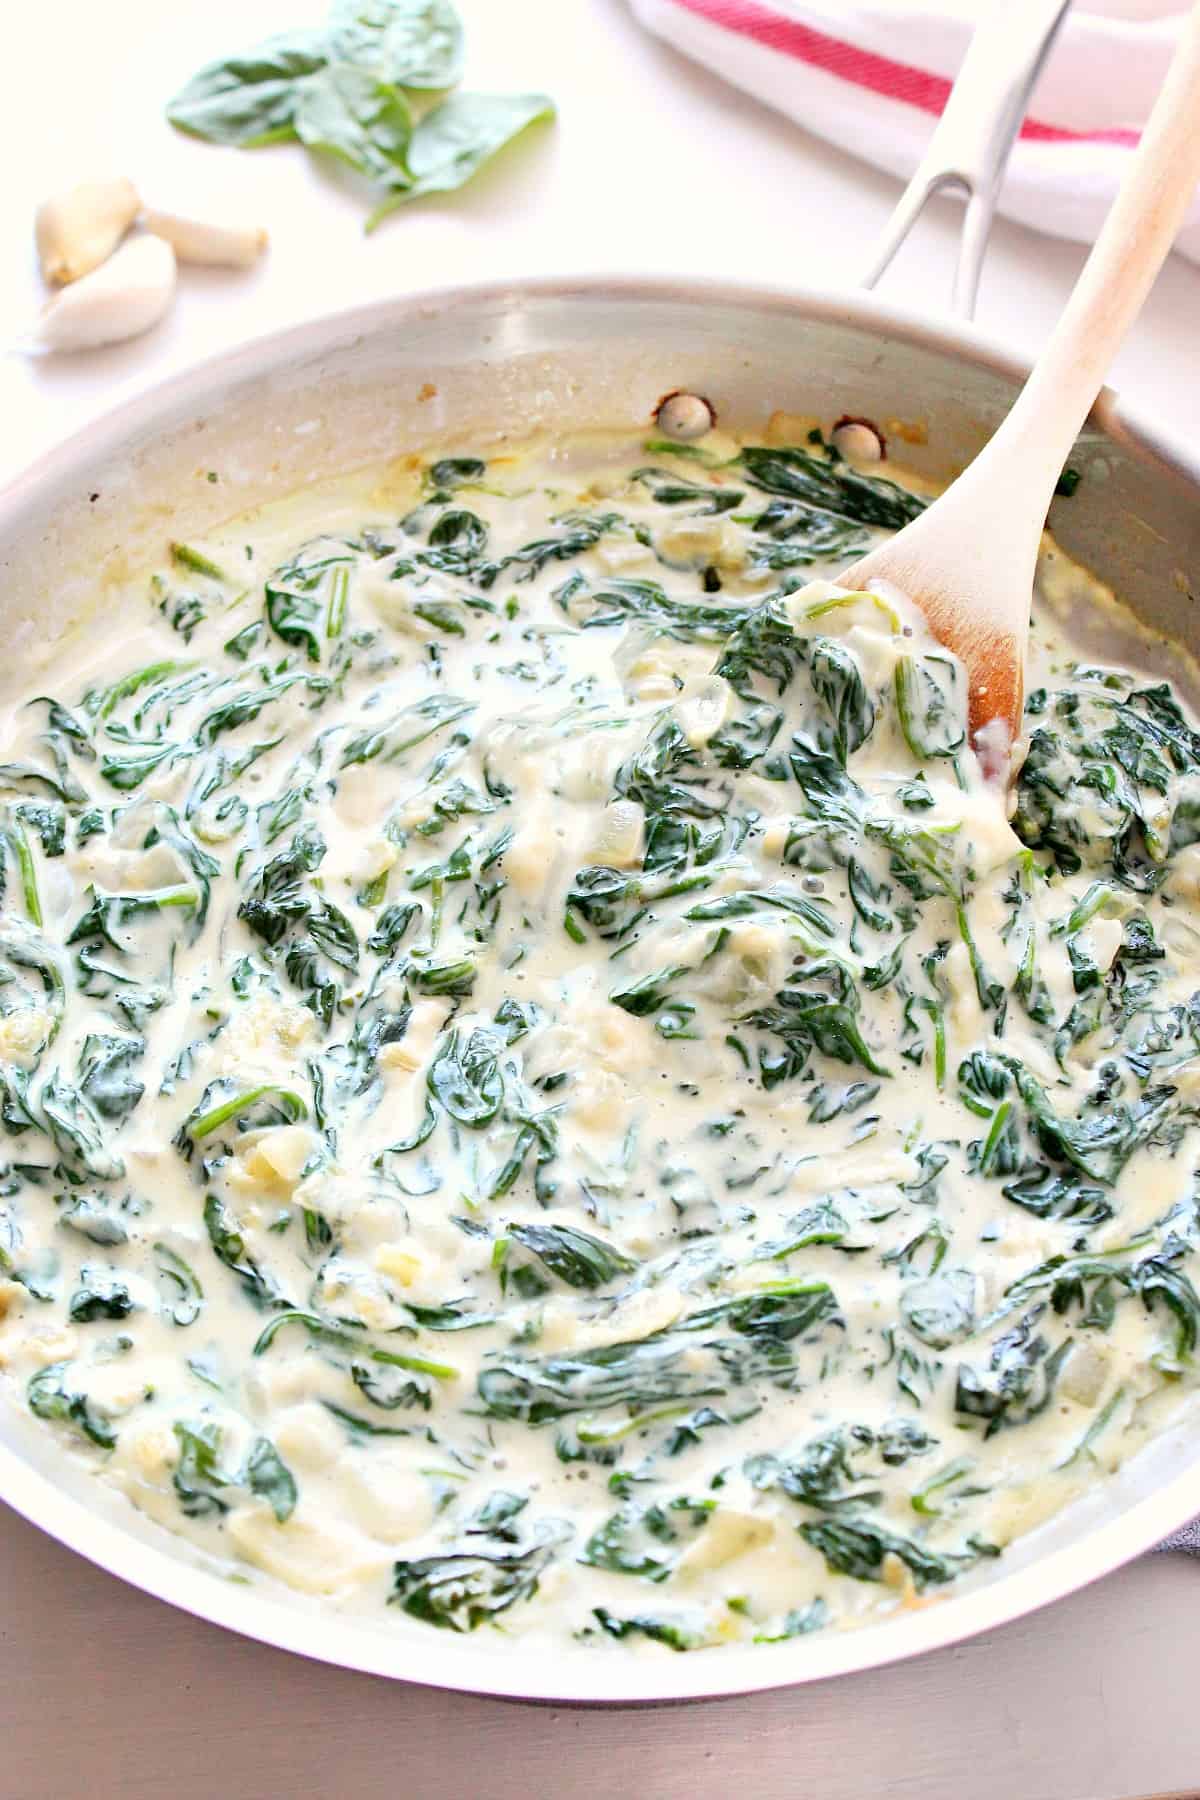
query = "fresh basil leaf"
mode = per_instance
[
  {"x": 250, "y": 99},
  {"x": 350, "y": 113},
  {"x": 412, "y": 43},
  {"x": 454, "y": 141}
]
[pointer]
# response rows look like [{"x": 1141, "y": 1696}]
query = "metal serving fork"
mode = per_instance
[{"x": 970, "y": 144}]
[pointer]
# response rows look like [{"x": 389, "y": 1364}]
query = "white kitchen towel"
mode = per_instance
[{"x": 872, "y": 75}]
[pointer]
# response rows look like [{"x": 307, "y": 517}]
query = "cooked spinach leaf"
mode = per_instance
[{"x": 460, "y": 1592}]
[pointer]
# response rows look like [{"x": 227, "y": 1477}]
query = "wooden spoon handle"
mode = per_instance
[
  {"x": 969, "y": 561},
  {"x": 1133, "y": 244}
]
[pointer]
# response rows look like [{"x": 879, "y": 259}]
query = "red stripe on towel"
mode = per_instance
[{"x": 864, "y": 69}]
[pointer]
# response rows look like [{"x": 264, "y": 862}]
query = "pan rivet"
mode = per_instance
[
  {"x": 858, "y": 440},
  {"x": 684, "y": 416}
]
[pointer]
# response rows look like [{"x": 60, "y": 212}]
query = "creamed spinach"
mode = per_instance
[{"x": 540, "y": 1090}]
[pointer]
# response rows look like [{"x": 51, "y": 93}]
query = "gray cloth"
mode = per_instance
[{"x": 1186, "y": 1538}]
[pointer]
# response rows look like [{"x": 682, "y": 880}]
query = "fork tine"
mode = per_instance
[{"x": 972, "y": 139}]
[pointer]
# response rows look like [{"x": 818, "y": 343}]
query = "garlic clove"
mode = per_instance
[
  {"x": 125, "y": 296},
  {"x": 231, "y": 245},
  {"x": 78, "y": 229}
]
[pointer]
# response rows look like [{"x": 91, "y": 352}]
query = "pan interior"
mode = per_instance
[{"x": 487, "y": 370}]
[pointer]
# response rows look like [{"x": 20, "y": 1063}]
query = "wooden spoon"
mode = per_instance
[{"x": 968, "y": 561}]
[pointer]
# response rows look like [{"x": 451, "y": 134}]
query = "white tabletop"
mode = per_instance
[{"x": 653, "y": 166}]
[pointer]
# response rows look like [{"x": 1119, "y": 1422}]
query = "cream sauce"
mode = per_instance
[{"x": 487, "y": 1040}]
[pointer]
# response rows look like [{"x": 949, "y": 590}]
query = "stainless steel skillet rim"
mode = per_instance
[{"x": 521, "y": 1671}]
